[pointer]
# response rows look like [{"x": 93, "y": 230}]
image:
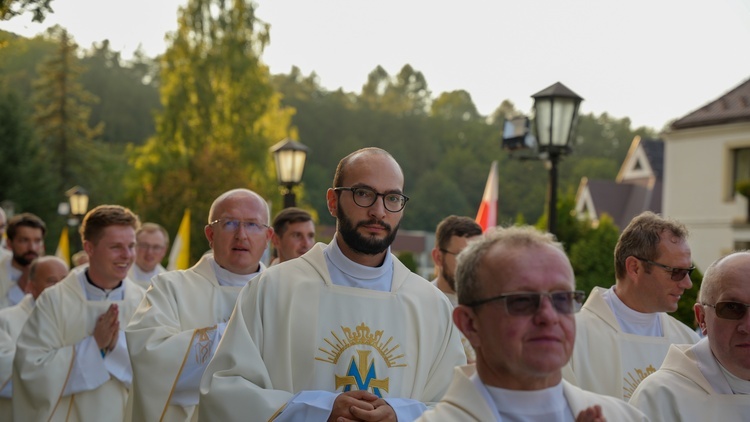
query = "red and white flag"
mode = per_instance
[{"x": 487, "y": 215}]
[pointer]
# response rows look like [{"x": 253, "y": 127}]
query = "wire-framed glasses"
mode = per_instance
[
  {"x": 677, "y": 274},
  {"x": 231, "y": 225},
  {"x": 730, "y": 310},
  {"x": 528, "y": 303}
]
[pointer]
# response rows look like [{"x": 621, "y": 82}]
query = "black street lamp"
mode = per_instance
[
  {"x": 556, "y": 115},
  {"x": 76, "y": 207},
  {"x": 290, "y": 157}
]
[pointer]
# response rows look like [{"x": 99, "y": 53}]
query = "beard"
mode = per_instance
[
  {"x": 449, "y": 278},
  {"x": 362, "y": 244},
  {"x": 25, "y": 259}
]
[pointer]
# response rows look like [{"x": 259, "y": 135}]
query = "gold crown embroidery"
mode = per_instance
[
  {"x": 362, "y": 335},
  {"x": 632, "y": 381}
]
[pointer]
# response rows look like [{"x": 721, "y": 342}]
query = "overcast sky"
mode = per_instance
[{"x": 650, "y": 60}]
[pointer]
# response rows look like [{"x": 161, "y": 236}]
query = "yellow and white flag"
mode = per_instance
[
  {"x": 63, "y": 246},
  {"x": 179, "y": 256}
]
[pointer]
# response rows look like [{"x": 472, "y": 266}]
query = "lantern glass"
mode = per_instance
[
  {"x": 79, "y": 203},
  {"x": 289, "y": 165}
]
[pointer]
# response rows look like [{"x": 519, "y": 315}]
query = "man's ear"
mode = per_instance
[
  {"x": 332, "y": 200},
  {"x": 700, "y": 316},
  {"x": 467, "y": 322},
  {"x": 437, "y": 256}
]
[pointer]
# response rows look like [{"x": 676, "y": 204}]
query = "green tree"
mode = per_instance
[
  {"x": 455, "y": 105},
  {"x": 220, "y": 116},
  {"x": 11, "y": 8},
  {"x": 62, "y": 114},
  {"x": 592, "y": 256}
]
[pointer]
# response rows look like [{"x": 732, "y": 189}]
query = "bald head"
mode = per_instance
[
  {"x": 44, "y": 272},
  {"x": 217, "y": 205}
]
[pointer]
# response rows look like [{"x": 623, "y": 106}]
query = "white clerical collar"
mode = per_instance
[
  {"x": 451, "y": 296},
  {"x": 13, "y": 272},
  {"x": 345, "y": 272},
  {"x": 96, "y": 293},
  {"x": 531, "y": 405},
  {"x": 228, "y": 278},
  {"x": 139, "y": 274},
  {"x": 15, "y": 294},
  {"x": 632, "y": 321}
]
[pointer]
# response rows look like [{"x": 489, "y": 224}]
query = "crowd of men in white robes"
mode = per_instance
[{"x": 344, "y": 331}]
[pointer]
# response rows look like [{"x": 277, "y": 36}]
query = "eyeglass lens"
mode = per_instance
[
  {"x": 232, "y": 225},
  {"x": 731, "y": 310},
  {"x": 393, "y": 202},
  {"x": 529, "y": 303},
  {"x": 678, "y": 274}
]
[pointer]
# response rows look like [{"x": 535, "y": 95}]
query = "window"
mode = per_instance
[{"x": 740, "y": 166}]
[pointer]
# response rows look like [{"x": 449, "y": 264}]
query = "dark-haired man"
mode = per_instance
[
  {"x": 451, "y": 237},
  {"x": 293, "y": 234},
  {"x": 25, "y": 239}
]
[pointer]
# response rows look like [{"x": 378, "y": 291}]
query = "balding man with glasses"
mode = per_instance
[
  {"x": 517, "y": 299},
  {"x": 624, "y": 332},
  {"x": 344, "y": 332},
  {"x": 175, "y": 331},
  {"x": 711, "y": 379}
]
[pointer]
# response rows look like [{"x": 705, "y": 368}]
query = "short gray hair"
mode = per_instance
[{"x": 468, "y": 286}]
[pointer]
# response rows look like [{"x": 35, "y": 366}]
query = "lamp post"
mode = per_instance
[
  {"x": 290, "y": 157},
  {"x": 76, "y": 207},
  {"x": 556, "y": 111}
]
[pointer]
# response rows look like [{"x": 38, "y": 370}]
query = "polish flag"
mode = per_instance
[{"x": 487, "y": 215}]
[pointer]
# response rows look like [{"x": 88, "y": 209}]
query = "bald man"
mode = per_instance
[
  {"x": 44, "y": 272},
  {"x": 345, "y": 330},
  {"x": 176, "y": 329},
  {"x": 711, "y": 379}
]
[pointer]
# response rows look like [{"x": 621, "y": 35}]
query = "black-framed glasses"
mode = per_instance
[
  {"x": 730, "y": 310},
  {"x": 528, "y": 303},
  {"x": 365, "y": 197},
  {"x": 231, "y": 225},
  {"x": 678, "y": 274}
]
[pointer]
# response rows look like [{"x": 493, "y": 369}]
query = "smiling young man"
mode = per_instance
[
  {"x": 72, "y": 358},
  {"x": 344, "y": 331},
  {"x": 517, "y": 298},
  {"x": 711, "y": 379},
  {"x": 624, "y": 332},
  {"x": 176, "y": 329}
]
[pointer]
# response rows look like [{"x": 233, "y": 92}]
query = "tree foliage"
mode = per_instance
[
  {"x": 11, "y": 8},
  {"x": 220, "y": 115},
  {"x": 61, "y": 115}
]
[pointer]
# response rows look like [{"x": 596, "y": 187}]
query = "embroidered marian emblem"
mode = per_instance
[
  {"x": 631, "y": 382},
  {"x": 361, "y": 373}
]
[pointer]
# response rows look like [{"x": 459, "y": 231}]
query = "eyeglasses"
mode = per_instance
[
  {"x": 231, "y": 225},
  {"x": 730, "y": 310},
  {"x": 524, "y": 304},
  {"x": 365, "y": 197},
  {"x": 147, "y": 247},
  {"x": 678, "y": 274}
]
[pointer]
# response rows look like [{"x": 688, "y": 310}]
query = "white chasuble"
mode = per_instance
[
  {"x": 172, "y": 337},
  {"x": 46, "y": 350},
  {"x": 293, "y": 331}
]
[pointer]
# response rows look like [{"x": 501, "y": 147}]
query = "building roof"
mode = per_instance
[{"x": 732, "y": 107}]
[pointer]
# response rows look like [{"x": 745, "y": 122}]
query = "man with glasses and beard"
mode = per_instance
[
  {"x": 624, "y": 332},
  {"x": 517, "y": 298},
  {"x": 343, "y": 332},
  {"x": 25, "y": 240},
  {"x": 711, "y": 379},
  {"x": 451, "y": 237},
  {"x": 177, "y": 327}
]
